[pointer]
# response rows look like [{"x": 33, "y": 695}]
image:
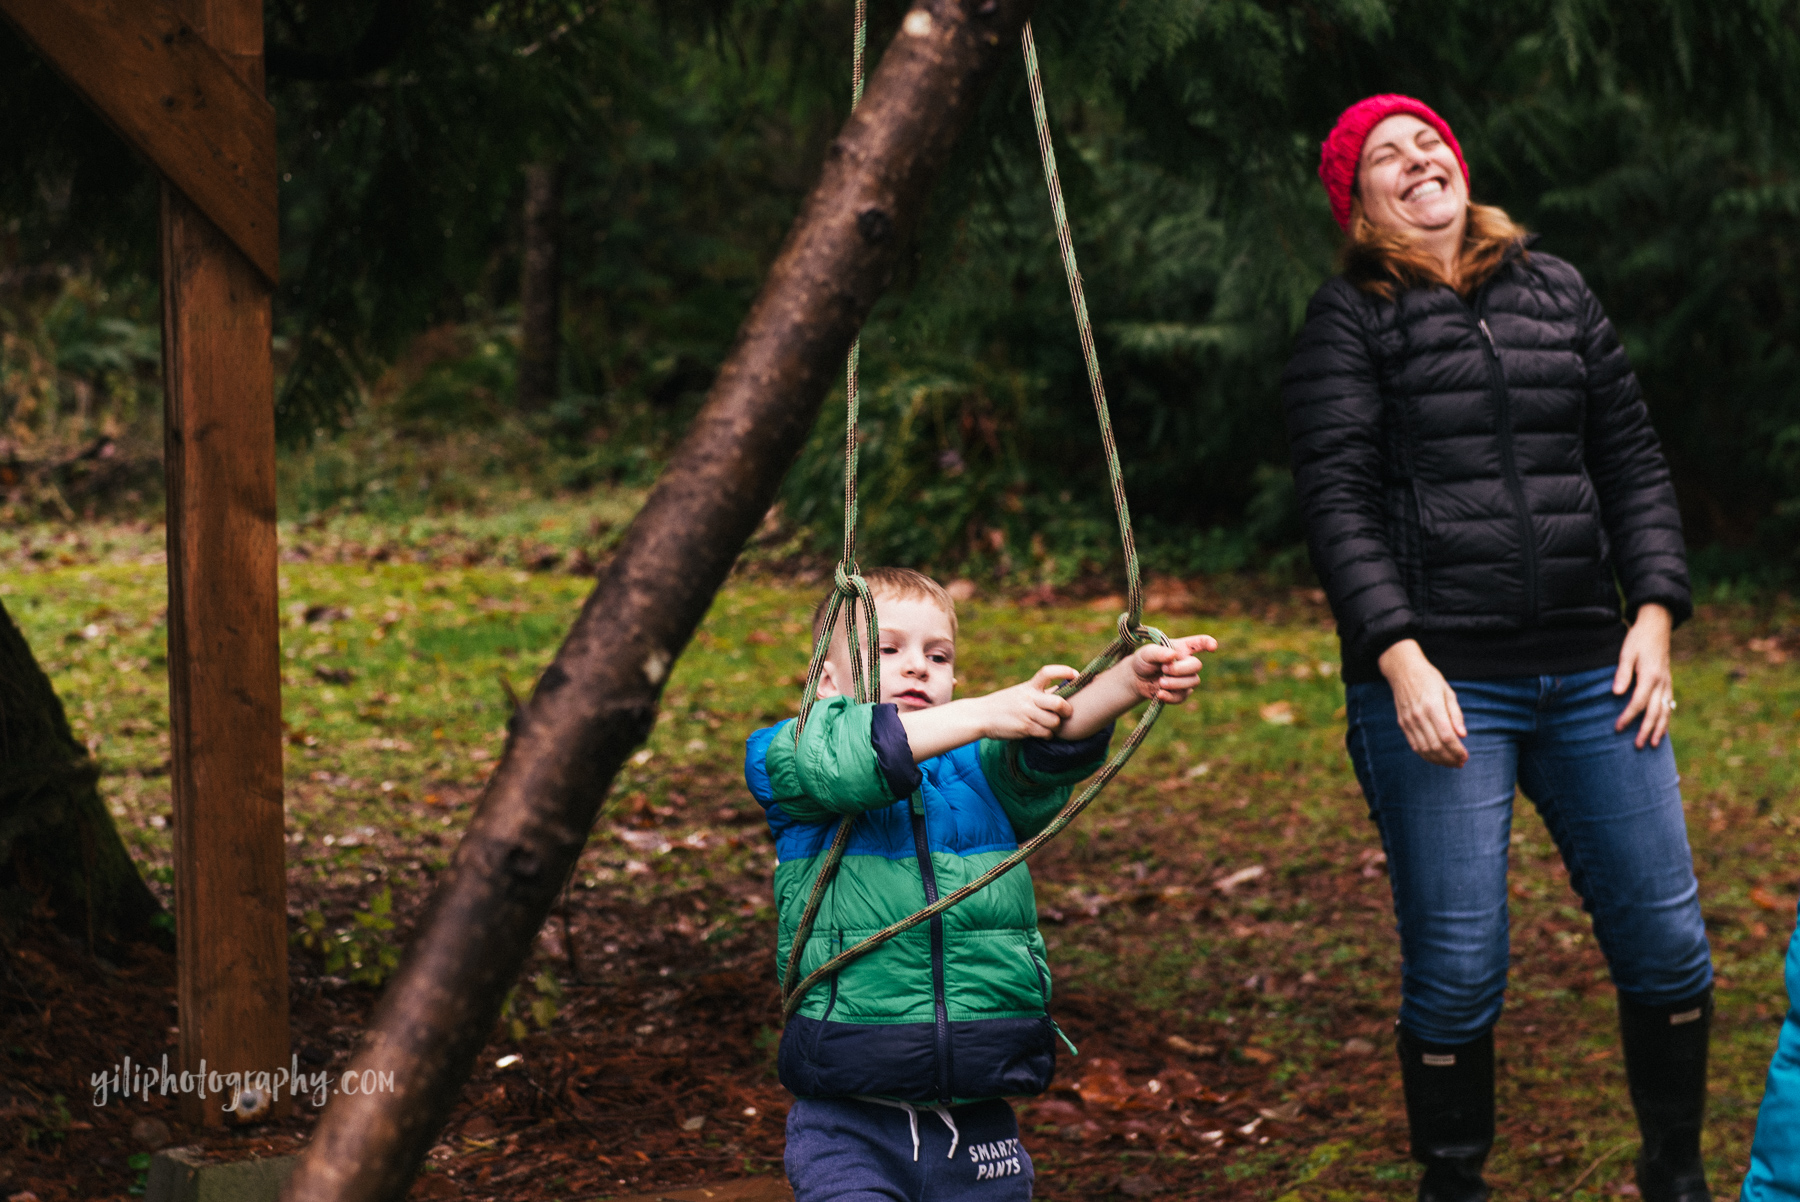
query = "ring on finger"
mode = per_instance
[{"x": 1668, "y": 703}]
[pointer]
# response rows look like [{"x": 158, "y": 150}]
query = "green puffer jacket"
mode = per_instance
[{"x": 954, "y": 1010}]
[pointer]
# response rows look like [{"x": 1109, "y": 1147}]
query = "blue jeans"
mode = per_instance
[
  {"x": 1775, "y": 1155},
  {"x": 1614, "y": 811}
]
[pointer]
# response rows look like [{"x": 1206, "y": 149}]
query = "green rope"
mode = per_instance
[
  {"x": 849, "y": 587},
  {"x": 1134, "y": 584}
]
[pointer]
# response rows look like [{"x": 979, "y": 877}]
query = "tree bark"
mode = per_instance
[
  {"x": 59, "y": 849},
  {"x": 540, "y": 287},
  {"x": 597, "y": 701}
]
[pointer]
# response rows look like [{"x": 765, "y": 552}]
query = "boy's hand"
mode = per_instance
[
  {"x": 1025, "y": 711},
  {"x": 1029, "y": 710},
  {"x": 1169, "y": 674}
]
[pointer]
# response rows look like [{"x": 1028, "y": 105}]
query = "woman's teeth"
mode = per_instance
[{"x": 1420, "y": 191}]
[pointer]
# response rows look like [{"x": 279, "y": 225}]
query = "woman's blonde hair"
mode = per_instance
[{"x": 1386, "y": 263}]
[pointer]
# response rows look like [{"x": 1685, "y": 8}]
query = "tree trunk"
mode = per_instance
[
  {"x": 597, "y": 701},
  {"x": 60, "y": 854},
  {"x": 540, "y": 287}
]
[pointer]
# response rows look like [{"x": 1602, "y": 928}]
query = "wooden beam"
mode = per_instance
[
  {"x": 224, "y": 659},
  {"x": 177, "y": 99}
]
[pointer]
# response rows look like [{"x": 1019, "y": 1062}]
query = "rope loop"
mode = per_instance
[{"x": 850, "y": 589}]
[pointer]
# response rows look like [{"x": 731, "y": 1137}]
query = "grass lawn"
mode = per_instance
[{"x": 1218, "y": 922}]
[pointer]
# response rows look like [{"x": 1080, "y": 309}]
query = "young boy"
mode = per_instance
[{"x": 952, "y": 1016}]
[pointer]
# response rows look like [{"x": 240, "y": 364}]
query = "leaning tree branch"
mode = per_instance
[{"x": 597, "y": 701}]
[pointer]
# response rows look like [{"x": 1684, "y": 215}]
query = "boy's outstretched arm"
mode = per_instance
[
  {"x": 1151, "y": 673},
  {"x": 1024, "y": 711},
  {"x": 1032, "y": 711}
]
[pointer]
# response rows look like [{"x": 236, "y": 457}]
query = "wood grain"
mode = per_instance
[
  {"x": 195, "y": 111},
  {"x": 224, "y": 660}
]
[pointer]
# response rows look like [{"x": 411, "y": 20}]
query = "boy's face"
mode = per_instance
[{"x": 918, "y": 655}]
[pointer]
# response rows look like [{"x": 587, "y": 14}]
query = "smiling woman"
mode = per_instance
[
  {"x": 1403, "y": 199},
  {"x": 1481, "y": 489}
]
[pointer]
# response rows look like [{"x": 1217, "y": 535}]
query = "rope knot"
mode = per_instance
[
  {"x": 848, "y": 581},
  {"x": 1136, "y": 634}
]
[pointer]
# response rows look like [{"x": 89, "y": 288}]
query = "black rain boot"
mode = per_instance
[
  {"x": 1665, "y": 1061},
  {"x": 1450, "y": 1108}
]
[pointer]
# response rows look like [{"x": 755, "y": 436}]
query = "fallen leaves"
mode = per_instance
[
  {"x": 1770, "y": 649},
  {"x": 1226, "y": 884},
  {"x": 1768, "y": 901},
  {"x": 1103, "y": 1086},
  {"x": 1186, "y": 1047},
  {"x": 1278, "y": 713}
]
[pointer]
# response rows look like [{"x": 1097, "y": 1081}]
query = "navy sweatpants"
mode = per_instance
[{"x": 861, "y": 1150}]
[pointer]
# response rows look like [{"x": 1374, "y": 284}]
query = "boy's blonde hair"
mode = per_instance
[{"x": 902, "y": 583}]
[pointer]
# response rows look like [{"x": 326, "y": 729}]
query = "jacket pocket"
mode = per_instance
[
  {"x": 1043, "y": 975},
  {"x": 1422, "y": 523},
  {"x": 1415, "y": 565},
  {"x": 1591, "y": 502},
  {"x": 836, "y": 946}
]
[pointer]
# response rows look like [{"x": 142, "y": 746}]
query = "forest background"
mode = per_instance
[
  {"x": 628, "y": 169},
  {"x": 517, "y": 240}
]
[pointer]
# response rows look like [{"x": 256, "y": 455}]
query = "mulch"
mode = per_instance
[{"x": 657, "y": 1073}]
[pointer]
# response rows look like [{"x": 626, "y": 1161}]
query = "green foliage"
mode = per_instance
[
  {"x": 44, "y": 1131},
  {"x": 459, "y": 393},
  {"x": 1656, "y": 146},
  {"x": 520, "y": 1015},
  {"x": 80, "y": 394},
  {"x": 364, "y": 952}
]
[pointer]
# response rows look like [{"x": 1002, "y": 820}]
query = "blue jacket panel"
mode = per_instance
[
  {"x": 956, "y": 1009},
  {"x": 1775, "y": 1155}
]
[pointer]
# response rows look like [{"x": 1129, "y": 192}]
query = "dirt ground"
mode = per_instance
[
  {"x": 1221, "y": 932},
  {"x": 660, "y": 1076}
]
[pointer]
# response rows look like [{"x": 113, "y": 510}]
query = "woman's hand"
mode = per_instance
[
  {"x": 1645, "y": 658},
  {"x": 1426, "y": 705}
]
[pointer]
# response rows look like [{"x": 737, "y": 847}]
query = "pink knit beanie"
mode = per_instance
[{"x": 1341, "y": 154}]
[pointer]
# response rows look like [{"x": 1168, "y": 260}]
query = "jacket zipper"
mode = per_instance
[
  {"x": 941, "y": 1007},
  {"x": 1510, "y": 467}
]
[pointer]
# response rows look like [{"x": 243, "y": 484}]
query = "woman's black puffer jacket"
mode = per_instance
[{"x": 1480, "y": 475}]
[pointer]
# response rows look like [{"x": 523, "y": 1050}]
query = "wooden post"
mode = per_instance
[{"x": 224, "y": 664}]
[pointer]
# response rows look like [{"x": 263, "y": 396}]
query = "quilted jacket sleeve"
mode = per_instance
[
  {"x": 1626, "y": 464},
  {"x": 847, "y": 761},
  {"x": 1031, "y": 778},
  {"x": 1333, "y": 407}
]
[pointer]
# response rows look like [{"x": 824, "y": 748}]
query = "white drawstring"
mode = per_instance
[
  {"x": 955, "y": 1135},
  {"x": 912, "y": 1113}
]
